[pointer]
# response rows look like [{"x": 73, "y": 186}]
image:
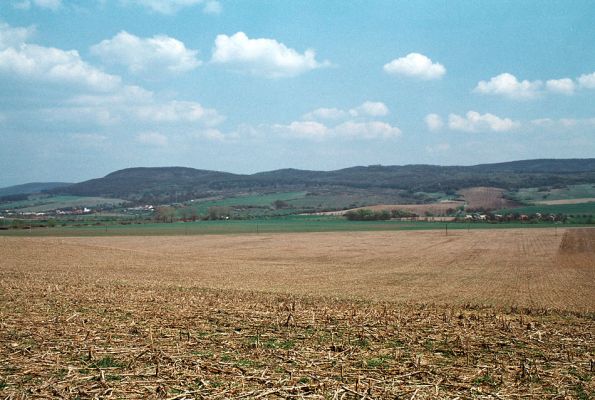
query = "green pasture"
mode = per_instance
[
  {"x": 259, "y": 200},
  {"x": 566, "y": 209},
  {"x": 569, "y": 192},
  {"x": 263, "y": 226},
  {"x": 46, "y": 203}
]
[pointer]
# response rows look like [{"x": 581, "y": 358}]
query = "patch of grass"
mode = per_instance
[
  {"x": 3, "y": 384},
  {"x": 485, "y": 379},
  {"x": 376, "y": 362},
  {"x": 287, "y": 344},
  {"x": 107, "y": 362}
]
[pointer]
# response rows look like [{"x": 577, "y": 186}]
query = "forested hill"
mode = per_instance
[
  {"x": 179, "y": 183},
  {"x": 35, "y": 187}
]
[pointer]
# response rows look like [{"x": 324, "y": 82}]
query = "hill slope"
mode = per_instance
[
  {"x": 178, "y": 183},
  {"x": 28, "y": 188}
]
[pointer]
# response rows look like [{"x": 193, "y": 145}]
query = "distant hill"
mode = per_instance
[
  {"x": 179, "y": 183},
  {"x": 29, "y": 188}
]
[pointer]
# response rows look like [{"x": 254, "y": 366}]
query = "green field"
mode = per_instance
[
  {"x": 262, "y": 226},
  {"x": 567, "y": 209},
  {"x": 530, "y": 195},
  {"x": 42, "y": 203},
  {"x": 259, "y": 200}
]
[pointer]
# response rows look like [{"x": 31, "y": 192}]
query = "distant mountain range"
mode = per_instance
[
  {"x": 180, "y": 183},
  {"x": 28, "y": 188}
]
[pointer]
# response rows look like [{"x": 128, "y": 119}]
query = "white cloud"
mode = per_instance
[
  {"x": 564, "y": 86},
  {"x": 48, "y": 4},
  {"x": 165, "y": 6},
  {"x": 351, "y": 129},
  {"x": 14, "y": 37},
  {"x": 587, "y": 81},
  {"x": 325, "y": 113},
  {"x": 370, "y": 108},
  {"x": 434, "y": 122},
  {"x": 508, "y": 85},
  {"x": 366, "y": 109},
  {"x": 263, "y": 57},
  {"x": 152, "y": 138},
  {"x": 178, "y": 112},
  {"x": 212, "y": 7},
  {"x": 305, "y": 130},
  {"x": 476, "y": 122},
  {"x": 156, "y": 54},
  {"x": 46, "y": 64},
  {"x": 367, "y": 130},
  {"x": 67, "y": 94},
  {"x": 415, "y": 65}
]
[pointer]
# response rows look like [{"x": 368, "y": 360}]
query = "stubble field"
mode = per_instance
[{"x": 479, "y": 314}]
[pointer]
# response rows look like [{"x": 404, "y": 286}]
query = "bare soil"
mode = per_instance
[{"x": 488, "y": 198}]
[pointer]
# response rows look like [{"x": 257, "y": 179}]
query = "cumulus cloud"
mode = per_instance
[
  {"x": 325, "y": 113},
  {"x": 156, "y": 54},
  {"x": 152, "y": 138},
  {"x": 367, "y": 130},
  {"x": 509, "y": 86},
  {"x": 564, "y": 86},
  {"x": 434, "y": 122},
  {"x": 263, "y": 57},
  {"x": 75, "y": 96},
  {"x": 366, "y": 109},
  {"x": 14, "y": 37},
  {"x": 476, "y": 122},
  {"x": 587, "y": 81},
  {"x": 47, "y": 64},
  {"x": 350, "y": 129},
  {"x": 370, "y": 108},
  {"x": 415, "y": 65}
]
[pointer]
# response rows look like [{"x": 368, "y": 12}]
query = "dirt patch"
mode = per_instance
[
  {"x": 578, "y": 241},
  {"x": 488, "y": 198},
  {"x": 436, "y": 209}
]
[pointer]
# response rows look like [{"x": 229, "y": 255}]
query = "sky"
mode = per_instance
[{"x": 88, "y": 87}]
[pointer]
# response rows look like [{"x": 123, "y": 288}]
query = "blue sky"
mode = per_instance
[{"x": 89, "y": 87}]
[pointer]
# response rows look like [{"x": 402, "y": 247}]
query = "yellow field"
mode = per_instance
[{"x": 494, "y": 314}]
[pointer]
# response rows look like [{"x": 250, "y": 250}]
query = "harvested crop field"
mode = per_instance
[
  {"x": 488, "y": 198},
  {"x": 441, "y": 208},
  {"x": 480, "y": 314}
]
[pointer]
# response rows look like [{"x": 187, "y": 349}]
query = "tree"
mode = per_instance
[
  {"x": 165, "y": 213},
  {"x": 219, "y": 212}
]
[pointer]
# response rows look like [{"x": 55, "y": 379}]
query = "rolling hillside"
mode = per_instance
[
  {"x": 179, "y": 183},
  {"x": 29, "y": 188}
]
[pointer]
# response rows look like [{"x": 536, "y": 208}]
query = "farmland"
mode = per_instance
[{"x": 485, "y": 313}]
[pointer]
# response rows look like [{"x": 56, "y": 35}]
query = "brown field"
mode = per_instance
[
  {"x": 440, "y": 208},
  {"x": 567, "y": 201},
  {"x": 488, "y": 198},
  {"x": 494, "y": 314}
]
